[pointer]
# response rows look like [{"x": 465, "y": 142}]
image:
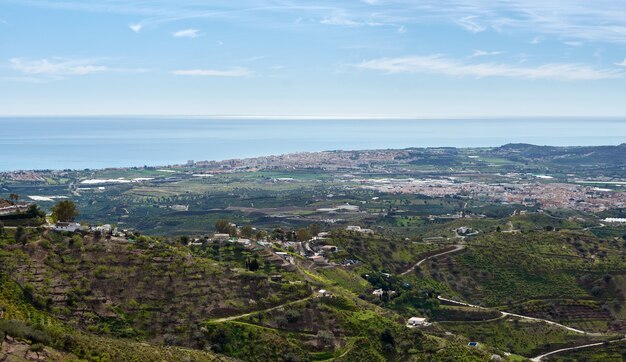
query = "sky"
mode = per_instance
[{"x": 272, "y": 58}]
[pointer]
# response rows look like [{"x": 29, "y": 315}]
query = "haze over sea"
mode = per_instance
[{"x": 99, "y": 142}]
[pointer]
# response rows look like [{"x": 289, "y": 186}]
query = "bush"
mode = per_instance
[
  {"x": 292, "y": 315},
  {"x": 18, "y": 329}
]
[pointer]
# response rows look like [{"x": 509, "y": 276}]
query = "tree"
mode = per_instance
[
  {"x": 34, "y": 211},
  {"x": 253, "y": 265},
  {"x": 222, "y": 226},
  {"x": 184, "y": 240},
  {"x": 20, "y": 235},
  {"x": 1, "y": 228},
  {"x": 388, "y": 341},
  {"x": 314, "y": 229},
  {"x": 232, "y": 230},
  {"x": 247, "y": 231},
  {"x": 326, "y": 337},
  {"x": 303, "y": 235},
  {"x": 64, "y": 211},
  {"x": 14, "y": 198},
  {"x": 261, "y": 235}
]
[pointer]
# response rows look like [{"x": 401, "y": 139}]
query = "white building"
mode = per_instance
[
  {"x": 221, "y": 237},
  {"x": 67, "y": 226},
  {"x": 323, "y": 293},
  {"x": 105, "y": 229},
  {"x": 417, "y": 322},
  {"x": 359, "y": 229},
  {"x": 615, "y": 219}
]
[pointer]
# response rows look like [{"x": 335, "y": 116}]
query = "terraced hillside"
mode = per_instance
[{"x": 143, "y": 288}]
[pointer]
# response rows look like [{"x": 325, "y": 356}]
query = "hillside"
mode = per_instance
[{"x": 95, "y": 297}]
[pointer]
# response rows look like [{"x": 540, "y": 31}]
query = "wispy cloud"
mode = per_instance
[
  {"x": 186, "y": 33},
  {"x": 576, "y": 44},
  {"x": 622, "y": 63},
  {"x": 232, "y": 72},
  {"x": 135, "y": 27},
  {"x": 345, "y": 20},
  {"x": 441, "y": 65},
  {"x": 482, "y": 53},
  {"x": 470, "y": 23},
  {"x": 600, "y": 21},
  {"x": 58, "y": 68}
]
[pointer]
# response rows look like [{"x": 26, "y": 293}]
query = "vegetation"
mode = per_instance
[
  {"x": 64, "y": 211},
  {"x": 297, "y": 280}
]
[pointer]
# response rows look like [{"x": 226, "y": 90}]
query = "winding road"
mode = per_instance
[
  {"x": 539, "y": 358},
  {"x": 457, "y": 247},
  {"x": 579, "y": 331},
  {"x": 232, "y": 318}
]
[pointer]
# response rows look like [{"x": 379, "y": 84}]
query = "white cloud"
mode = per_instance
[
  {"x": 186, "y": 33},
  {"x": 233, "y": 72},
  {"x": 135, "y": 27},
  {"x": 622, "y": 63},
  {"x": 58, "y": 68},
  {"x": 344, "y": 20},
  {"x": 602, "y": 21},
  {"x": 482, "y": 53},
  {"x": 469, "y": 23},
  {"x": 576, "y": 44},
  {"x": 438, "y": 64}
]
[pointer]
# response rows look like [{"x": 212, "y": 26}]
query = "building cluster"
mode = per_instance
[
  {"x": 7, "y": 209},
  {"x": 548, "y": 195},
  {"x": 330, "y": 160}
]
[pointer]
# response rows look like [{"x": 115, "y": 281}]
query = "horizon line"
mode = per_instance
[{"x": 311, "y": 117}]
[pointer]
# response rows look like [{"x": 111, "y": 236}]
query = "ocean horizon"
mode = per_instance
[{"x": 32, "y": 143}]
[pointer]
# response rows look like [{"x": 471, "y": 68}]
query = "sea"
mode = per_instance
[{"x": 37, "y": 143}]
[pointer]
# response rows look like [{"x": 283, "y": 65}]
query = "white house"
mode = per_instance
[
  {"x": 417, "y": 322},
  {"x": 105, "y": 229},
  {"x": 67, "y": 226},
  {"x": 329, "y": 248},
  {"x": 221, "y": 237},
  {"x": 359, "y": 229},
  {"x": 323, "y": 293}
]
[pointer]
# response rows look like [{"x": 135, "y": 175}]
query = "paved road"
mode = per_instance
[
  {"x": 539, "y": 358},
  {"x": 594, "y": 334},
  {"x": 456, "y": 248}
]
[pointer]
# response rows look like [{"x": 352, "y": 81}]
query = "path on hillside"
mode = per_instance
[
  {"x": 539, "y": 358},
  {"x": 231, "y": 318},
  {"x": 593, "y": 334},
  {"x": 457, "y": 247}
]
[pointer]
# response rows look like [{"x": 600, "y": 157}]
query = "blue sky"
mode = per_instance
[{"x": 369, "y": 58}]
